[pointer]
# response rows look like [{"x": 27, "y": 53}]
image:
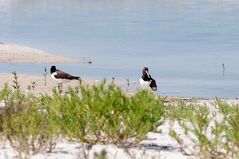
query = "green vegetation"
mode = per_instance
[
  {"x": 87, "y": 114},
  {"x": 208, "y": 132},
  {"x": 105, "y": 114},
  {"x": 24, "y": 122},
  {"x": 45, "y": 73}
]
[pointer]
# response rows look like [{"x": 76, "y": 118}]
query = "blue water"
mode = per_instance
[{"x": 184, "y": 43}]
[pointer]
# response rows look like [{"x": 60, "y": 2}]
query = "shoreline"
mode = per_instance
[
  {"x": 26, "y": 80},
  {"x": 158, "y": 144},
  {"x": 14, "y": 53}
]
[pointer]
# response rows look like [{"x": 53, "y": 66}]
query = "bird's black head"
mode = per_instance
[
  {"x": 53, "y": 69},
  {"x": 145, "y": 70},
  {"x": 146, "y": 76}
]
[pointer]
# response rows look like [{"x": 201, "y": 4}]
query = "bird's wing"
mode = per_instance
[
  {"x": 63, "y": 75},
  {"x": 153, "y": 84}
]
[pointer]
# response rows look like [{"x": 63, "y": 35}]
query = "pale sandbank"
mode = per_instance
[{"x": 13, "y": 53}]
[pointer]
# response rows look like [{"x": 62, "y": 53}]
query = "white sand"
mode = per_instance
[
  {"x": 156, "y": 145},
  {"x": 23, "y": 54},
  {"x": 26, "y": 83}
]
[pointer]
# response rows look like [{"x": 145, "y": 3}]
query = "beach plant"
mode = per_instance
[
  {"x": 232, "y": 135},
  {"x": 32, "y": 86},
  {"x": 225, "y": 108},
  {"x": 101, "y": 113},
  {"x": 127, "y": 82},
  {"x": 4, "y": 93},
  {"x": 230, "y": 115},
  {"x": 143, "y": 114},
  {"x": 179, "y": 112},
  {"x": 201, "y": 130},
  {"x": 113, "y": 80},
  {"x": 1, "y": 122},
  {"x": 16, "y": 84},
  {"x": 24, "y": 122},
  {"x": 211, "y": 132},
  {"x": 45, "y": 73},
  {"x": 104, "y": 114}
]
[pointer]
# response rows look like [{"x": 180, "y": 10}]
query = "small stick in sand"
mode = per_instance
[
  {"x": 223, "y": 69},
  {"x": 45, "y": 74}
]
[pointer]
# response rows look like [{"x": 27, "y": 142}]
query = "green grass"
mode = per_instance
[
  {"x": 105, "y": 114},
  {"x": 213, "y": 133},
  {"x": 88, "y": 114}
]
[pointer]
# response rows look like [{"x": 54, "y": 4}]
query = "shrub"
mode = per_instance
[
  {"x": 24, "y": 122},
  {"x": 88, "y": 114},
  {"x": 230, "y": 116},
  {"x": 212, "y": 133},
  {"x": 103, "y": 114}
]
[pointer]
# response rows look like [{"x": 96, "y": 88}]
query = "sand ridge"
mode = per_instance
[{"x": 13, "y": 53}]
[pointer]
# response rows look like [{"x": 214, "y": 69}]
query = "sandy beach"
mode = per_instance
[
  {"x": 13, "y": 53},
  {"x": 156, "y": 144},
  {"x": 104, "y": 112},
  {"x": 27, "y": 81}
]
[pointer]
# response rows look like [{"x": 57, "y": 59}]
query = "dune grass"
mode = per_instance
[
  {"x": 104, "y": 114},
  {"x": 208, "y": 132},
  {"x": 87, "y": 114}
]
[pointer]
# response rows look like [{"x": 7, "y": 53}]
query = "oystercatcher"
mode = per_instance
[
  {"x": 147, "y": 81},
  {"x": 61, "y": 76}
]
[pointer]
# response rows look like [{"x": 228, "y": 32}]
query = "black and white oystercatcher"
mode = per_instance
[
  {"x": 59, "y": 75},
  {"x": 147, "y": 81}
]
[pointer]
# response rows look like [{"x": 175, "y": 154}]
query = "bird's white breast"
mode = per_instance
[
  {"x": 144, "y": 83},
  {"x": 53, "y": 77}
]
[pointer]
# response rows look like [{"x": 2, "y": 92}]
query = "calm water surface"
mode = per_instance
[{"x": 184, "y": 43}]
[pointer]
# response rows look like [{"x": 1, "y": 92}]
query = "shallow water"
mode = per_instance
[{"x": 184, "y": 43}]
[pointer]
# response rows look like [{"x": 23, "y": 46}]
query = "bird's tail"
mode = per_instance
[
  {"x": 74, "y": 78},
  {"x": 153, "y": 85}
]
